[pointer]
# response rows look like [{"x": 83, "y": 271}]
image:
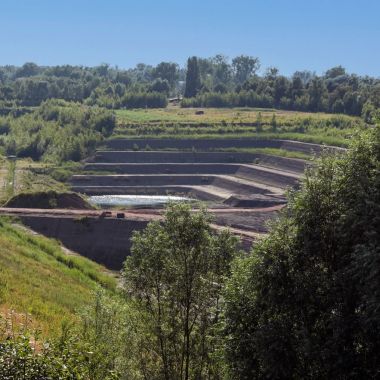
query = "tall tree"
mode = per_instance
[
  {"x": 317, "y": 92},
  {"x": 28, "y": 69},
  {"x": 306, "y": 304},
  {"x": 175, "y": 274},
  {"x": 193, "y": 80},
  {"x": 166, "y": 71},
  {"x": 222, "y": 71},
  {"x": 335, "y": 72},
  {"x": 244, "y": 67}
]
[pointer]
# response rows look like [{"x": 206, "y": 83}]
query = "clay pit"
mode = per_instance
[{"x": 243, "y": 191}]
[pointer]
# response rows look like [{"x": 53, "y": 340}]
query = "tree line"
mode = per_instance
[
  {"x": 57, "y": 131},
  {"x": 204, "y": 82},
  {"x": 217, "y": 83}
]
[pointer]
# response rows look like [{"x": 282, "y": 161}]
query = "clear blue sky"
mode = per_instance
[{"x": 289, "y": 34}]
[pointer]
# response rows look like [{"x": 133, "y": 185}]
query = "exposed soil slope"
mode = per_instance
[{"x": 49, "y": 200}]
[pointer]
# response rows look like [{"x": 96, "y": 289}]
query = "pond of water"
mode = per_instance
[{"x": 135, "y": 200}]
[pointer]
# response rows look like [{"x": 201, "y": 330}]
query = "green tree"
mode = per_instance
[
  {"x": 159, "y": 85},
  {"x": 306, "y": 303},
  {"x": 175, "y": 274},
  {"x": 317, "y": 92},
  {"x": 335, "y": 72},
  {"x": 28, "y": 69},
  {"x": 222, "y": 71},
  {"x": 193, "y": 81},
  {"x": 280, "y": 88},
  {"x": 166, "y": 71},
  {"x": 244, "y": 67}
]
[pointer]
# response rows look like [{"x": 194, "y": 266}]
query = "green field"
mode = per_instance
[
  {"x": 38, "y": 279},
  {"x": 181, "y": 123},
  {"x": 216, "y": 115}
]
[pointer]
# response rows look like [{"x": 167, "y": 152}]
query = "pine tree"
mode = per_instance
[{"x": 193, "y": 81}]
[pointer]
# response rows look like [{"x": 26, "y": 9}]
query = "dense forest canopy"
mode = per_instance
[
  {"x": 56, "y": 131},
  {"x": 207, "y": 82}
]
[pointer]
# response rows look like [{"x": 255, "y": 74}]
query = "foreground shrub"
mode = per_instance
[{"x": 64, "y": 359}]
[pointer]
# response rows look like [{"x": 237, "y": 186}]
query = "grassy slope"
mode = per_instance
[
  {"x": 37, "y": 277},
  {"x": 235, "y": 122},
  {"x": 214, "y": 115}
]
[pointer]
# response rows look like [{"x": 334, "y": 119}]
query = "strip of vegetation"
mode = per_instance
[
  {"x": 331, "y": 130},
  {"x": 270, "y": 151},
  {"x": 310, "y": 138},
  {"x": 57, "y": 131},
  {"x": 233, "y": 116}
]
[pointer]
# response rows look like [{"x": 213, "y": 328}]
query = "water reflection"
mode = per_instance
[{"x": 135, "y": 200}]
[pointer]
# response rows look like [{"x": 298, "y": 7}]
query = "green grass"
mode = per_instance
[
  {"x": 215, "y": 115},
  {"x": 305, "y": 137},
  {"x": 27, "y": 176},
  {"x": 270, "y": 151},
  {"x": 180, "y": 123},
  {"x": 37, "y": 277}
]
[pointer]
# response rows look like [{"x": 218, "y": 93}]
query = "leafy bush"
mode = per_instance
[
  {"x": 67, "y": 358},
  {"x": 57, "y": 131},
  {"x": 306, "y": 303}
]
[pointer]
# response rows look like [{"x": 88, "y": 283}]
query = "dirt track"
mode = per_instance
[{"x": 148, "y": 215}]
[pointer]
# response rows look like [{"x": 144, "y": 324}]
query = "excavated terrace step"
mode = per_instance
[
  {"x": 220, "y": 143},
  {"x": 253, "y": 173},
  {"x": 121, "y": 156},
  {"x": 104, "y": 156},
  {"x": 224, "y": 181},
  {"x": 296, "y": 168}
]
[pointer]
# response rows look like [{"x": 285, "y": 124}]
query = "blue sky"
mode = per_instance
[{"x": 290, "y": 34}]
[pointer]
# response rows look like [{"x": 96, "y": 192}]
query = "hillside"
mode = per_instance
[
  {"x": 39, "y": 278},
  {"x": 258, "y": 123}
]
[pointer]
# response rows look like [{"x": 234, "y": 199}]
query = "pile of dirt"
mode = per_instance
[{"x": 49, "y": 200}]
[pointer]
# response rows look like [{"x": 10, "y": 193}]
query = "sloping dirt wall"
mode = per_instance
[
  {"x": 282, "y": 163},
  {"x": 106, "y": 241}
]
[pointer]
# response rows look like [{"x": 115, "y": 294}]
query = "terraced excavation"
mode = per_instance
[
  {"x": 246, "y": 188},
  {"x": 202, "y": 173}
]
